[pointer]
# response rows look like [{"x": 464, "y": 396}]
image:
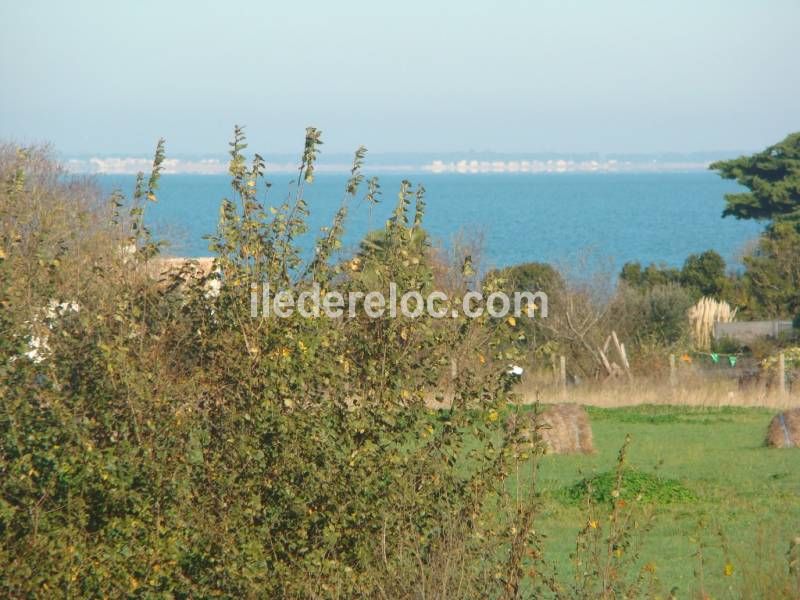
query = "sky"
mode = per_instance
[{"x": 100, "y": 77}]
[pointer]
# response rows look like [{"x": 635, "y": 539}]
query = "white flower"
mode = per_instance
[
  {"x": 38, "y": 349},
  {"x": 37, "y": 344},
  {"x": 213, "y": 288}
]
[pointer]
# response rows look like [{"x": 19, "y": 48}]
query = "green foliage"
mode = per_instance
[
  {"x": 533, "y": 338},
  {"x": 702, "y": 274},
  {"x": 635, "y": 276},
  {"x": 666, "y": 308},
  {"x": 767, "y": 288},
  {"x": 773, "y": 272},
  {"x": 636, "y": 485},
  {"x": 532, "y": 277},
  {"x": 705, "y": 273},
  {"x": 606, "y": 560},
  {"x": 168, "y": 444},
  {"x": 773, "y": 178},
  {"x": 655, "y": 315}
]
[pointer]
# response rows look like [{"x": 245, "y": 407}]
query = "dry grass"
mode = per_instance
[
  {"x": 161, "y": 266},
  {"x": 693, "y": 390}
]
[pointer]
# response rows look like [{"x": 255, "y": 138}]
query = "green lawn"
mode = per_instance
[{"x": 750, "y": 492}]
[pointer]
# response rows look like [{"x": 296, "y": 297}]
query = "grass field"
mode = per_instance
[{"x": 738, "y": 487}]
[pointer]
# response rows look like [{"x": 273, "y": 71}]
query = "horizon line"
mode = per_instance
[{"x": 457, "y": 165}]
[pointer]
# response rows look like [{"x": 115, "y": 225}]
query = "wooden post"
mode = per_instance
[
  {"x": 673, "y": 372},
  {"x": 453, "y": 369},
  {"x": 606, "y": 363},
  {"x": 625, "y": 361},
  {"x": 563, "y": 377},
  {"x": 623, "y": 356},
  {"x": 781, "y": 374}
]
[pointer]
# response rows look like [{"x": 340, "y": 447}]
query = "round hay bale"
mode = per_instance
[
  {"x": 784, "y": 430},
  {"x": 563, "y": 428}
]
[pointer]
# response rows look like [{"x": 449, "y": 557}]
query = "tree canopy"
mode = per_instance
[
  {"x": 705, "y": 273},
  {"x": 532, "y": 277},
  {"x": 773, "y": 272},
  {"x": 773, "y": 178}
]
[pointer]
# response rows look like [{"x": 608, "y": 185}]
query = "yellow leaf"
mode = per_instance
[{"x": 511, "y": 321}]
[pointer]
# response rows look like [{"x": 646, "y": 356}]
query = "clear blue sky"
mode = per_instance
[{"x": 96, "y": 76}]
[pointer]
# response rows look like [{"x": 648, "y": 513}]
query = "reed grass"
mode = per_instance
[{"x": 702, "y": 317}]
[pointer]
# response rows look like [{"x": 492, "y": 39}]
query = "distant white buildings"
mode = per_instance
[
  {"x": 215, "y": 166},
  {"x": 561, "y": 165}
]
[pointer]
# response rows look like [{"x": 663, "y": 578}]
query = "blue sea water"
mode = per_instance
[{"x": 559, "y": 218}]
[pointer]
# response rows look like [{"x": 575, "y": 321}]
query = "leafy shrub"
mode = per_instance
[
  {"x": 652, "y": 275},
  {"x": 656, "y": 315},
  {"x": 169, "y": 444},
  {"x": 705, "y": 274},
  {"x": 636, "y": 485}
]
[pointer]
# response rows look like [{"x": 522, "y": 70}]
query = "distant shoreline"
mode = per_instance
[{"x": 132, "y": 166}]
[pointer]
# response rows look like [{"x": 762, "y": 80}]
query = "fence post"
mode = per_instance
[
  {"x": 673, "y": 375},
  {"x": 782, "y": 374},
  {"x": 563, "y": 377}
]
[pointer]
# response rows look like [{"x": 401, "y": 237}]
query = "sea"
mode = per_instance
[{"x": 582, "y": 222}]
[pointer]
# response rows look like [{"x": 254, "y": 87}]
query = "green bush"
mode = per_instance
[
  {"x": 652, "y": 316},
  {"x": 164, "y": 443},
  {"x": 652, "y": 275},
  {"x": 705, "y": 274},
  {"x": 636, "y": 485}
]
